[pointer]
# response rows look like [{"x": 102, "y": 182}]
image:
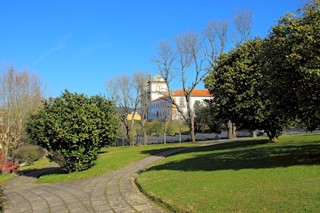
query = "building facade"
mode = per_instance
[
  {"x": 156, "y": 88},
  {"x": 160, "y": 106}
]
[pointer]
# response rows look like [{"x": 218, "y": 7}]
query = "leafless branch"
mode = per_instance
[{"x": 243, "y": 21}]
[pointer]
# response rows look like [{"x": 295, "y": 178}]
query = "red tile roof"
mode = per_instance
[{"x": 194, "y": 93}]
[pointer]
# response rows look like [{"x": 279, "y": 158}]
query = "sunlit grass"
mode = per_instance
[
  {"x": 244, "y": 176},
  {"x": 41, "y": 163},
  {"x": 111, "y": 159}
]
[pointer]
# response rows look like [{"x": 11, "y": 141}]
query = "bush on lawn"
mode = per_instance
[{"x": 73, "y": 128}]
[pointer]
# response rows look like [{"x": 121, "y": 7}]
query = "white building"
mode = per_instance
[
  {"x": 160, "y": 106},
  {"x": 157, "y": 87}
]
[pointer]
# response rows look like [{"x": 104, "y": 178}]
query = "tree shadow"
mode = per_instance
[
  {"x": 217, "y": 146},
  {"x": 235, "y": 156},
  {"x": 164, "y": 151},
  {"x": 36, "y": 173},
  {"x": 102, "y": 152}
]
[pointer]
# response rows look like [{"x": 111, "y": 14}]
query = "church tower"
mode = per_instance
[{"x": 157, "y": 87}]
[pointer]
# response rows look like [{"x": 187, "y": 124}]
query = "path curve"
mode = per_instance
[{"x": 112, "y": 192}]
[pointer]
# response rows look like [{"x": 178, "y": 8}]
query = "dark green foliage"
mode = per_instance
[
  {"x": 206, "y": 117},
  {"x": 174, "y": 127},
  {"x": 292, "y": 56},
  {"x": 28, "y": 154},
  {"x": 73, "y": 128},
  {"x": 154, "y": 127},
  {"x": 238, "y": 85},
  {"x": 269, "y": 84}
]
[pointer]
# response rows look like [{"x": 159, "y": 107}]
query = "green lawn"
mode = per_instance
[
  {"x": 110, "y": 159},
  {"x": 243, "y": 176}
]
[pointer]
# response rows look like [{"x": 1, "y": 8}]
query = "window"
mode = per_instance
[{"x": 182, "y": 103}]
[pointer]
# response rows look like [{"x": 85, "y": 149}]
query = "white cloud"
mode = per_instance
[{"x": 62, "y": 43}]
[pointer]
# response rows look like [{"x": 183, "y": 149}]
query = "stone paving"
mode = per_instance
[{"x": 112, "y": 192}]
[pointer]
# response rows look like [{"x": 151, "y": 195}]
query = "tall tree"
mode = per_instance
[
  {"x": 127, "y": 93},
  {"x": 140, "y": 82},
  {"x": 292, "y": 63},
  {"x": 239, "y": 85},
  {"x": 187, "y": 62},
  {"x": 186, "y": 57},
  {"x": 20, "y": 95}
]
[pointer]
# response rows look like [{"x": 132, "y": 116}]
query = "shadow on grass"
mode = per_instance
[
  {"x": 217, "y": 146},
  {"x": 245, "y": 155},
  {"x": 36, "y": 173},
  {"x": 102, "y": 152}
]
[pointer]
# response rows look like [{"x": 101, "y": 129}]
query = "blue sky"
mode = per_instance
[{"x": 79, "y": 44}]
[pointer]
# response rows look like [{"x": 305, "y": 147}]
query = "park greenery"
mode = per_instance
[
  {"x": 270, "y": 83},
  {"x": 109, "y": 159},
  {"x": 73, "y": 128},
  {"x": 242, "y": 176},
  {"x": 267, "y": 83}
]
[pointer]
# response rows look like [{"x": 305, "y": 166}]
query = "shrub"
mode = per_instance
[
  {"x": 73, "y": 128},
  {"x": 154, "y": 127},
  {"x": 28, "y": 154}
]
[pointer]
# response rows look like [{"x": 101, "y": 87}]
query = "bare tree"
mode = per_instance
[
  {"x": 215, "y": 36},
  {"x": 20, "y": 95},
  {"x": 140, "y": 85},
  {"x": 190, "y": 59},
  {"x": 187, "y": 60},
  {"x": 119, "y": 90},
  {"x": 126, "y": 92},
  {"x": 243, "y": 21}
]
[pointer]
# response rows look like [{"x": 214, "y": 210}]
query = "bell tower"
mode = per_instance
[{"x": 157, "y": 87}]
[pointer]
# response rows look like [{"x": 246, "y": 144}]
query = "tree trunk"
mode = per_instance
[
  {"x": 132, "y": 131},
  {"x": 165, "y": 132},
  {"x": 144, "y": 132},
  {"x": 272, "y": 136},
  {"x": 231, "y": 130},
  {"x": 229, "y": 125},
  {"x": 234, "y": 128},
  {"x": 4, "y": 154},
  {"x": 128, "y": 134},
  {"x": 192, "y": 130},
  {"x": 253, "y": 134},
  {"x": 145, "y": 138}
]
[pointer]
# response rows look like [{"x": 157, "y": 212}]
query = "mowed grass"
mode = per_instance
[
  {"x": 109, "y": 160},
  {"x": 243, "y": 176}
]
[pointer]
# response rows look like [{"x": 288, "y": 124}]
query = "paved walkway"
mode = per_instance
[{"x": 113, "y": 192}]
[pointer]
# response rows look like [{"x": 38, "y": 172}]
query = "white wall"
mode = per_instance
[{"x": 163, "y": 108}]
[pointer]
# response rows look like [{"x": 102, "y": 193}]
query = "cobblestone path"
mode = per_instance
[{"x": 112, "y": 192}]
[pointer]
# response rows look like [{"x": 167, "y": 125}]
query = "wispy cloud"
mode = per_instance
[
  {"x": 92, "y": 48},
  {"x": 89, "y": 50},
  {"x": 62, "y": 43}
]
